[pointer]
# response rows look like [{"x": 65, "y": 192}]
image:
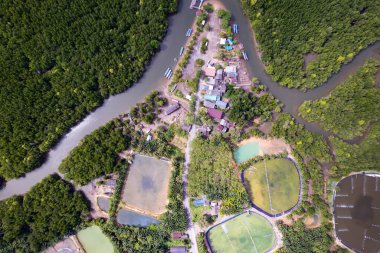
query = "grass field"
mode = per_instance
[
  {"x": 147, "y": 184},
  {"x": 246, "y": 233},
  {"x": 273, "y": 185}
]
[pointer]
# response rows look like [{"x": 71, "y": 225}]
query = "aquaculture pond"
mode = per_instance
[
  {"x": 246, "y": 152},
  {"x": 103, "y": 203},
  {"x": 127, "y": 217},
  {"x": 93, "y": 240},
  {"x": 357, "y": 212},
  {"x": 147, "y": 184}
]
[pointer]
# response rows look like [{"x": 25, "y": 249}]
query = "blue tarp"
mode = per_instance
[
  {"x": 228, "y": 48},
  {"x": 230, "y": 41},
  {"x": 199, "y": 202}
]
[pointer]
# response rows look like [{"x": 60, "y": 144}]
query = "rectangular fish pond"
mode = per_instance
[
  {"x": 147, "y": 185},
  {"x": 246, "y": 152},
  {"x": 131, "y": 218},
  {"x": 93, "y": 240}
]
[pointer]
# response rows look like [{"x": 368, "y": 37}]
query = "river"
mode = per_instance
[{"x": 153, "y": 79}]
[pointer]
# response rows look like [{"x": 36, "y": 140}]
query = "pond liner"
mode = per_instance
[
  {"x": 333, "y": 206},
  {"x": 208, "y": 243},
  {"x": 286, "y": 211}
]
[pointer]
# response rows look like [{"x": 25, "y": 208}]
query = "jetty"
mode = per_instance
[{"x": 196, "y": 4}]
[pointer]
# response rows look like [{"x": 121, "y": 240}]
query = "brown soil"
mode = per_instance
[{"x": 269, "y": 146}]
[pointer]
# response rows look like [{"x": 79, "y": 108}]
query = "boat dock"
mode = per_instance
[{"x": 196, "y": 4}]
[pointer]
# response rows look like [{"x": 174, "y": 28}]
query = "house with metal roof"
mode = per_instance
[
  {"x": 211, "y": 97},
  {"x": 172, "y": 108},
  {"x": 215, "y": 114},
  {"x": 221, "y": 104},
  {"x": 208, "y": 104}
]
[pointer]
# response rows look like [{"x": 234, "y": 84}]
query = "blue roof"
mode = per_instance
[
  {"x": 199, "y": 202},
  {"x": 230, "y": 41}
]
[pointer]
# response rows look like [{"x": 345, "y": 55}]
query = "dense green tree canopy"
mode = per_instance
[
  {"x": 50, "y": 210},
  {"x": 303, "y": 141},
  {"x": 334, "y": 31},
  {"x": 351, "y": 107},
  {"x": 211, "y": 174},
  {"x": 298, "y": 239},
  {"x": 60, "y": 59},
  {"x": 358, "y": 157}
]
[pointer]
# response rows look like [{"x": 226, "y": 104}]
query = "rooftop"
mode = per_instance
[{"x": 214, "y": 113}]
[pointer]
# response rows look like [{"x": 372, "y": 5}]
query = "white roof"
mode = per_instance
[{"x": 223, "y": 41}]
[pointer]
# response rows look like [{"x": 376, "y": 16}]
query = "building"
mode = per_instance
[
  {"x": 178, "y": 249},
  {"x": 204, "y": 130},
  {"x": 212, "y": 81},
  {"x": 223, "y": 41},
  {"x": 215, "y": 93},
  {"x": 215, "y": 114},
  {"x": 219, "y": 74},
  {"x": 207, "y": 87},
  {"x": 221, "y": 128},
  {"x": 210, "y": 71},
  {"x": 208, "y": 104},
  {"x": 222, "y": 88},
  {"x": 149, "y": 137},
  {"x": 231, "y": 71},
  {"x": 179, "y": 235},
  {"x": 214, "y": 208},
  {"x": 187, "y": 128},
  {"x": 211, "y": 97},
  {"x": 172, "y": 108},
  {"x": 221, "y": 104}
]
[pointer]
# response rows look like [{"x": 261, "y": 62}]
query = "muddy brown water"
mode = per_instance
[{"x": 357, "y": 212}]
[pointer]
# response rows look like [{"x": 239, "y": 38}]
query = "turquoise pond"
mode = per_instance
[{"x": 246, "y": 152}]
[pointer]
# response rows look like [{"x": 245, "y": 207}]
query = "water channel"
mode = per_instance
[{"x": 153, "y": 79}]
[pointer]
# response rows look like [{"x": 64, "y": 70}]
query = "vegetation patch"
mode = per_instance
[
  {"x": 211, "y": 173},
  {"x": 54, "y": 73},
  {"x": 244, "y": 233},
  {"x": 351, "y": 107},
  {"x": 146, "y": 187},
  {"x": 49, "y": 211},
  {"x": 273, "y": 185},
  {"x": 363, "y": 156},
  {"x": 335, "y": 30}
]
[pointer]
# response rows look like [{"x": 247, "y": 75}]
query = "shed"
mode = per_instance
[
  {"x": 111, "y": 182},
  {"x": 149, "y": 137},
  {"x": 214, "y": 208},
  {"x": 211, "y": 81},
  {"x": 221, "y": 104},
  {"x": 210, "y": 71},
  {"x": 231, "y": 69},
  {"x": 215, "y": 114},
  {"x": 223, "y": 88},
  {"x": 199, "y": 202},
  {"x": 172, "y": 108},
  {"x": 186, "y": 128},
  {"x": 211, "y": 97},
  {"x": 208, "y": 104},
  {"x": 178, "y": 249},
  {"x": 223, "y": 41},
  {"x": 219, "y": 74},
  {"x": 179, "y": 235}
]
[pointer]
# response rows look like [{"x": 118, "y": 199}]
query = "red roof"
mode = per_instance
[{"x": 214, "y": 113}]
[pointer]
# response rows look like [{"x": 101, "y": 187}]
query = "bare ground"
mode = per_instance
[{"x": 269, "y": 146}]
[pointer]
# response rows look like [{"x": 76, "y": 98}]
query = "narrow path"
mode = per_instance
[{"x": 186, "y": 200}]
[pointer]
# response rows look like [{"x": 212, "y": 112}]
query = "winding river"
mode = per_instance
[{"x": 153, "y": 79}]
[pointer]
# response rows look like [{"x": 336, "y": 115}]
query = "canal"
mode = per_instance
[{"x": 153, "y": 79}]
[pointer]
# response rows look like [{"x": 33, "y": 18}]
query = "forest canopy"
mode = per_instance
[
  {"x": 60, "y": 60},
  {"x": 329, "y": 33},
  {"x": 351, "y": 107},
  {"x": 49, "y": 211}
]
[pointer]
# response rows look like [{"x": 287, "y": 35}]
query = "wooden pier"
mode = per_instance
[{"x": 196, "y": 4}]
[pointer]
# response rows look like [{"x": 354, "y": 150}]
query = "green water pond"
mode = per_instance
[
  {"x": 94, "y": 241},
  {"x": 246, "y": 152}
]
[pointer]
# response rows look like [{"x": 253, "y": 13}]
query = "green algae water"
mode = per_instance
[
  {"x": 246, "y": 152},
  {"x": 94, "y": 241}
]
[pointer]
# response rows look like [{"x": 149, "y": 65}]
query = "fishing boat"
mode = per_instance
[
  {"x": 245, "y": 56},
  {"x": 169, "y": 75},
  {"x": 166, "y": 72},
  {"x": 181, "y": 51}
]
